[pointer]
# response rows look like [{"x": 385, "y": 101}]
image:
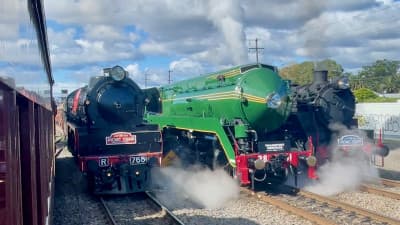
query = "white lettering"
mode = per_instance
[{"x": 103, "y": 162}]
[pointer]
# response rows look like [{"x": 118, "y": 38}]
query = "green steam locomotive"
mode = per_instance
[{"x": 231, "y": 119}]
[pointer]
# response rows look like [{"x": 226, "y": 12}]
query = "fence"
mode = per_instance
[{"x": 376, "y": 116}]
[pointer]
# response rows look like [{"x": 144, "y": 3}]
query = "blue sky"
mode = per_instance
[{"x": 191, "y": 37}]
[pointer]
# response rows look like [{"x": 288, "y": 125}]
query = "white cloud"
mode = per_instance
[
  {"x": 203, "y": 35},
  {"x": 104, "y": 33},
  {"x": 185, "y": 68},
  {"x": 198, "y": 36},
  {"x": 153, "y": 47},
  {"x": 134, "y": 71}
]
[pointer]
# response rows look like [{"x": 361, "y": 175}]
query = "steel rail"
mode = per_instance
[
  {"x": 348, "y": 207},
  {"x": 58, "y": 151},
  {"x": 289, "y": 208},
  {"x": 392, "y": 183},
  {"x": 380, "y": 192},
  {"x": 108, "y": 212},
  {"x": 168, "y": 212}
]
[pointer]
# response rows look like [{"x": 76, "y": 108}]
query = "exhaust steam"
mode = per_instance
[
  {"x": 207, "y": 188},
  {"x": 345, "y": 171}
]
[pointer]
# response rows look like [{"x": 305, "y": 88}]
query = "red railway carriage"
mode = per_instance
[{"x": 26, "y": 120}]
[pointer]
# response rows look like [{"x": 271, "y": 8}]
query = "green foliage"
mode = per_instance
[
  {"x": 381, "y": 99},
  {"x": 367, "y": 95},
  {"x": 381, "y": 68},
  {"x": 382, "y": 77},
  {"x": 364, "y": 94},
  {"x": 303, "y": 73}
]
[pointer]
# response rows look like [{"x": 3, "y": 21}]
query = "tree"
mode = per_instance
[
  {"x": 381, "y": 76},
  {"x": 390, "y": 84},
  {"x": 303, "y": 73},
  {"x": 381, "y": 68},
  {"x": 364, "y": 94}
]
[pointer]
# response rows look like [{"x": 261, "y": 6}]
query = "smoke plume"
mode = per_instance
[
  {"x": 344, "y": 171},
  {"x": 209, "y": 189},
  {"x": 227, "y": 17}
]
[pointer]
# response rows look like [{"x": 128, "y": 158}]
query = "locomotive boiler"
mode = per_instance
[
  {"x": 114, "y": 147},
  {"x": 324, "y": 110},
  {"x": 230, "y": 119}
]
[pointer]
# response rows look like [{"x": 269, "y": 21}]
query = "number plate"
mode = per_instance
[
  {"x": 136, "y": 160},
  {"x": 350, "y": 140},
  {"x": 121, "y": 138}
]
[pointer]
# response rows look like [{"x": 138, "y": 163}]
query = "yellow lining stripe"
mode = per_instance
[{"x": 222, "y": 96}]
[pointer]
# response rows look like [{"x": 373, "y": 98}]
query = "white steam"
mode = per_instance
[
  {"x": 210, "y": 189},
  {"x": 344, "y": 172},
  {"x": 340, "y": 176},
  {"x": 227, "y": 15}
]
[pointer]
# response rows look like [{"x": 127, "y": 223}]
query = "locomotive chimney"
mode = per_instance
[{"x": 320, "y": 76}]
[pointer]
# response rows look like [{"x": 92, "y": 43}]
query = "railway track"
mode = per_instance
[
  {"x": 59, "y": 145},
  {"x": 317, "y": 219},
  {"x": 107, "y": 211},
  {"x": 322, "y": 210},
  {"x": 357, "y": 213},
  {"x": 138, "y": 209},
  {"x": 390, "y": 183},
  {"x": 165, "y": 209},
  {"x": 59, "y": 150},
  {"x": 384, "y": 188},
  {"x": 380, "y": 192}
]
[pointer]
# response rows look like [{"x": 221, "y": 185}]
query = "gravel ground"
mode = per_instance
[
  {"x": 72, "y": 204},
  {"x": 382, "y": 205},
  {"x": 136, "y": 209},
  {"x": 243, "y": 210}
]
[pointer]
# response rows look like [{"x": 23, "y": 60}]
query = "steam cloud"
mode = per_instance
[
  {"x": 344, "y": 172},
  {"x": 210, "y": 189},
  {"x": 227, "y": 17}
]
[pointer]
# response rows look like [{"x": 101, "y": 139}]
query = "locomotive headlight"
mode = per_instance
[
  {"x": 259, "y": 164},
  {"x": 117, "y": 73},
  {"x": 311, "y": 161},
  {"x": 274, "y": 100},
  {"x": 343, "y": 83}
]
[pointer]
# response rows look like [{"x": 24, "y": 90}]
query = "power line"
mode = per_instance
[{"x": 256, "y": 49}]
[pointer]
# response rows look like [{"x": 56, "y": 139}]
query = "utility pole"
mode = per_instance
[
  {"x": 145, "y": 79},
  {"x": 256, "y": 49},
  {"x": 169, "y": 76}
]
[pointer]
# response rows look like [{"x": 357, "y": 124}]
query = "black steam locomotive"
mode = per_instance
[
  {"x": 107, "y": 134},
  {"x": 324, "y": 110}
]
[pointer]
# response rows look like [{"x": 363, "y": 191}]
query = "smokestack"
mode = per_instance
[{"x": 320, "y": 76}]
